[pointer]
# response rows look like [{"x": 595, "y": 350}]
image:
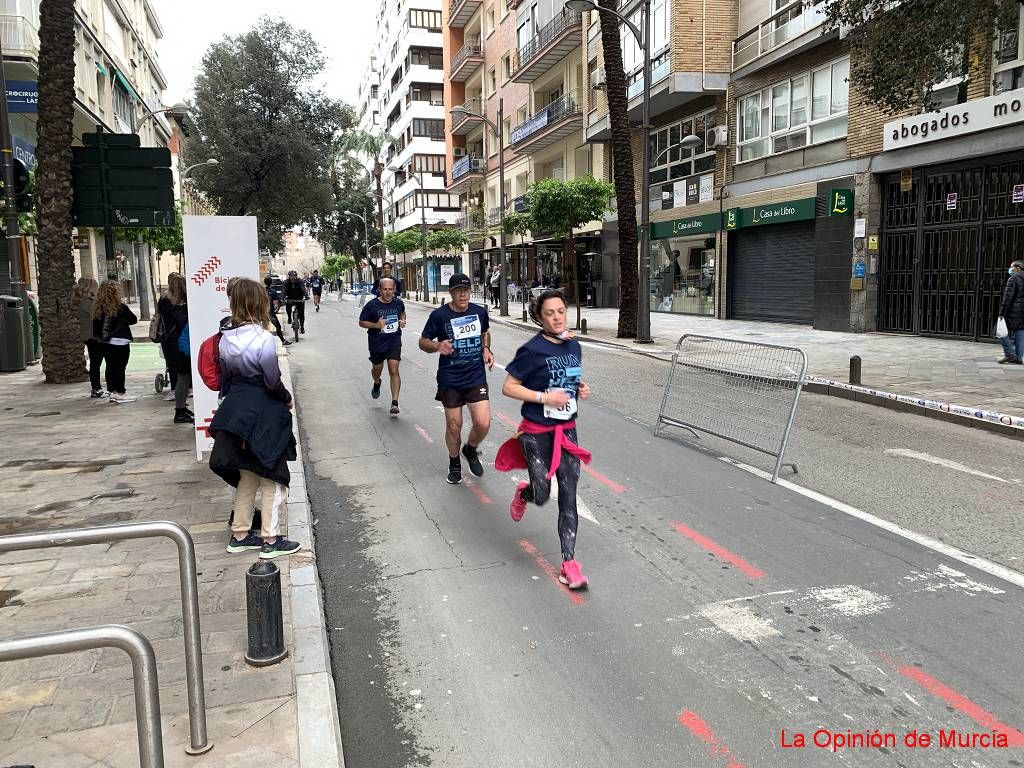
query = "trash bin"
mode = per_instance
[{"x": 12, "y": 334}]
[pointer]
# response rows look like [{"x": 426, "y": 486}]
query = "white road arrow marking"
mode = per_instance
[{"x": 947, "y": 463}]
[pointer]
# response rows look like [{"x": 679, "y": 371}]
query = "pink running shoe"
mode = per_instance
[
  {"x": 517, "y": 507},
  {"x": 572, "y": 576}
]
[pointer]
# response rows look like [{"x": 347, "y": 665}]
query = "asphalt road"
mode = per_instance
[{"x": 723, "y": 610}]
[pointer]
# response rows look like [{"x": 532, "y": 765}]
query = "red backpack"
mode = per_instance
[{"x": 209, "y": 362}]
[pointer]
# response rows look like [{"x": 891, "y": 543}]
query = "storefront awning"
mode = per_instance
[{"x": 102, "y": 69}]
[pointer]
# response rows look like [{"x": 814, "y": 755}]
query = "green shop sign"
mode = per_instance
[
  {"x": 695, "y": 225},
  {"x": 840, "y": 202},
  {"x": 772, "y": 213}
]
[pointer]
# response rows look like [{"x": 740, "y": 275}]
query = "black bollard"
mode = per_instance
[
  {"x": 583, "y": 326},
  {"x": 855, "y": 370},
  {"x": 263, "y": 609},
  {"x": 524, "y": 315}
]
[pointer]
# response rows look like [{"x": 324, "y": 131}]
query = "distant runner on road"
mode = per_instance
[
  {"x": 384, "y": 318},
  {"x": 460, "y": 332},
  {"x": 316, "y": 285},
  {"x": 546, "y": 375}
]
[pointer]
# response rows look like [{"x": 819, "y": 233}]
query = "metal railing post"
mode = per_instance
[
  {"x": 77, "y": 537},
  {"x": 144, "y": 675}
]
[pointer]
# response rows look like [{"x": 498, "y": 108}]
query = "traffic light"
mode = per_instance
[{"x": 22, "y": 197}]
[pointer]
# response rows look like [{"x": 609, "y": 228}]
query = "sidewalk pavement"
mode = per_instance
[
  {"x": 69, "y": 462},
  {"x": 960, "y": 373}
]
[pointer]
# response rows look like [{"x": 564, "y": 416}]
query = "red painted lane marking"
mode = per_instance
[
  {"x": 962, "y": 704},
  {"x": 482, "y": 497},
  {"x": 550, "y": 570},
  {"x": 586, "y": 468},
  {"x": 418, "y": 365},
  {"x": 601, "y": 478},
  {"x": 695, "y": 724},
  {"x": 506, "y": 420},
  {"x": 719, "y": 551},
  {"x": 423, "y": 434}
]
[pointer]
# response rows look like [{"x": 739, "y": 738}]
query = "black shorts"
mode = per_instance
[
  {"x": 317, "y": 291},
  {"x": 456, "y": 398},
  {"x": 395, "y": 353}
]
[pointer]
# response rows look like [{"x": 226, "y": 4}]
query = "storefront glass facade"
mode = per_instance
[{"x": 684, "y": 255}]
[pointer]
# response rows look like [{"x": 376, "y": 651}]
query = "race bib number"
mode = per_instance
[
  {"x": 467, "y": 327},
  {"x": 390, "y": 325},
  {"x": 564, "y": 413}
]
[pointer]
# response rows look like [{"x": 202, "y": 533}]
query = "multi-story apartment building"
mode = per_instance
[
  {"x": 408, "y": 73},
  {"x": 520, "y": 64},
  {"x": 118, "y": 82},
  {"x": 838, "y": 215}
]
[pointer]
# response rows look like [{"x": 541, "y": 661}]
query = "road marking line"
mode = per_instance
[
  {"x": 962, "y": 704},
  {"x": 739, "y": 622},
  {"x": 482, "y": 497},
  {"x": 582, "y": 510},
  {"x": 980, "y": 563},
  {"x": 849, "y": 600},
  {"x": 506, "y": 421},
  {"x": 550, "y": 570},
  {"x": 947, "y": 463},
  {"x": 423, "y": 433},
  {"x": 601, "y": 478},
  {"x": 695, "y": 724},
  {"x": 719, "y": 551}
]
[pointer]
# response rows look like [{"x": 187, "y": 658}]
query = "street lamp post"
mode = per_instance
[
  {"x": 497, "y": 129},
  {"x": 643, "y": 317},
  {"x": 423, "y": 228},
  {"x": 366, "y": 231}
]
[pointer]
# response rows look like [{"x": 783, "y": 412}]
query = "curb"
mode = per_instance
[
  {"x": 978, "y": 418},
  {"x": 318, "y": 725}
]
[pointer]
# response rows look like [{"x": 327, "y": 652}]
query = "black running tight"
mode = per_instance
[{"x": 537, "y": 451}]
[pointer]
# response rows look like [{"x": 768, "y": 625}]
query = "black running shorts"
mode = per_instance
[
  {"x": 395, "y": 353},
  {"x": 456, "y": 398}
]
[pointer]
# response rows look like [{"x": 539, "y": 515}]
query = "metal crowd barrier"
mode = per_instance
[
  {"x": 742, "y": 391},
  {"x": 78, "y": 537},
  {"x": 147, "y": 690}
]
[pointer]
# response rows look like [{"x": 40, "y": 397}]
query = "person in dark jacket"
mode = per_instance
[
  {"x": 252, "y": 427},
  {"x": 386, "y": 273},
  {"x": 295, "y": 295},
  {"x": 1012, "y": 311},
  {"x": 111, "y": 324},
  {"x": 84, "y": 297},
  {"x": 276, "y": 300},
  {"x": 173, "y": 310}
]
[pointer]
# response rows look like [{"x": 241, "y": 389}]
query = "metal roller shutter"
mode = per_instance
[{"x": 772, "y": 273}]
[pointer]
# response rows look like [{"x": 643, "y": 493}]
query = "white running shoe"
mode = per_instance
[
  {"x": 169, "y": 397},
  {"x": 122, "y": 398}
]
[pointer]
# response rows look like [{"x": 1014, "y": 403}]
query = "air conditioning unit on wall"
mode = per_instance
[
  {"x": 598, "y": 80},
  {"x": 458, "y": 151},
  {"x": 717, "y": 137}
]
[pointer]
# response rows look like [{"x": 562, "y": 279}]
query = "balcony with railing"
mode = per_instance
[
  {"x": 465, "y": 171},
  {"x": 467, "y": 61},
  {"x": 463, "y": 123},
  {"x": 461, "y": 11},
  {"x": 555, "y": 40},
  {"x": 19, "y": 33},
  {"x": 557, "y": 120},
  {"x": 798, "y": 23}
]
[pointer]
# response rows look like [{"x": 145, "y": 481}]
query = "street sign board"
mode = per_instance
[
  {"x": 112, "y": 139},
  {"x": 87, "y": 176},
  {"x": 138, "y": 197},
  {"x": 129, "y": 218},
  {"x": 123, "y": 157}
]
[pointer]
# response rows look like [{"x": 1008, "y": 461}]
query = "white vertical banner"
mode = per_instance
[{"x": 217, "y": 248}]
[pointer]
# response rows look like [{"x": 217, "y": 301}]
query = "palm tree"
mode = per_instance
[
  {"x": 63, "y": 361},
  {"x": 622, "y": 165},
  {"x": 371, "y": 146}
]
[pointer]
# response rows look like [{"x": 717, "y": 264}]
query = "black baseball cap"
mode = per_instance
[{"x": 459, "y": 280}]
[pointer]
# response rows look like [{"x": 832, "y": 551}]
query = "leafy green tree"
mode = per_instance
[
  {"x": 344, "y": 234},
  {"x": 900, "y": 49},
  {"x": 258, "y": 110},
  {"x": 371, "y": 146},
  {"x": 336, "y": 265},
  {"x": 561, "y": 206},
  {"x": 448, "y": 239},
  {"x": 403, "y": 243}
]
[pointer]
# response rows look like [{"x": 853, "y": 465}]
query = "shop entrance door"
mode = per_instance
[{"x": 946, "y": 244}]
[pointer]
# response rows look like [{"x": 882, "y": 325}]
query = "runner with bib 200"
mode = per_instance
[
  {"x": 546, "y": 375},
  {"x": 384, "y": 318},
  {"x": 460, "y": 332}
]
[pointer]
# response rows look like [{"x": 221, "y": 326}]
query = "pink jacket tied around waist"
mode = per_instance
[{"x": 510, "y": 454}]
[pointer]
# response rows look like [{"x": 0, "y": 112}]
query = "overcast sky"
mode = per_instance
[{"x": 343, "y": 28}]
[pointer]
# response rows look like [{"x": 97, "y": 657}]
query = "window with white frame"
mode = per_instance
[
  {"x": 807, "y": 109},
  {"x": 1008, "y": 58},
  {"x": 670, "y": 161},
  {"x": 632, "y": 54}
]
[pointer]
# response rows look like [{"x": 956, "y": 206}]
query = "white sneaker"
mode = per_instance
[
  {"x": 122, "y": 398},
  {"x": 169, "y": 397}
]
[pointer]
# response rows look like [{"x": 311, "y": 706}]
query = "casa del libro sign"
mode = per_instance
[{"x": 997, "y": 111}]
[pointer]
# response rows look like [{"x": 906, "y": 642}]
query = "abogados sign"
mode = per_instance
[{"x": 997, "y": 111}]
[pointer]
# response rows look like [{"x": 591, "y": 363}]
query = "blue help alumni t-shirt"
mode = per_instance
[
  {"x": 464, "y": 367},
  {"x": 542, "y": 365},
  {"x": 381, "y": 341}
]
